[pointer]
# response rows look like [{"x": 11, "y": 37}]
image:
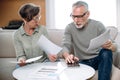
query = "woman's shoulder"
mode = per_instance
[{"x": 19, "y": 31}]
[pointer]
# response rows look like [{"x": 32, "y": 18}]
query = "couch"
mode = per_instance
[{"x": 7, "y": 52}]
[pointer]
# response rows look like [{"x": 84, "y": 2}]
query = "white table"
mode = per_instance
[{"x": 65, "y": 73}]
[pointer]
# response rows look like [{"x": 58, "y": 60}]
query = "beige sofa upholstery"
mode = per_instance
[{"x": 7, "y": 53}]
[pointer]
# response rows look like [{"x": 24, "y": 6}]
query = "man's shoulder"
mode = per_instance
[{"x": 95, "y": 21}]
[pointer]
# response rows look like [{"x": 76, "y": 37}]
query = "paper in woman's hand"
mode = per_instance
[
  {"x": 48, "y": 46},
  {"x": 33, "y": 59},
  {"x": 99, "y": 41},
  {"x": 28, "y": 60}
]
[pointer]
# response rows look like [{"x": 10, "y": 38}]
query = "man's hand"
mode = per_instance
[
  {"x": 52, "y": 57},
  {"x": 109, "y": 45},
  {"x": 70, "y": 58}
]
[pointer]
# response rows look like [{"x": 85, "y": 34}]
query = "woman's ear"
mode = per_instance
[{"x": 24, "y": 21}]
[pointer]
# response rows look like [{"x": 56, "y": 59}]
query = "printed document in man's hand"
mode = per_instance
[
  {"x": 48, "y": 46},
  {"x": 99, "y": 41}
]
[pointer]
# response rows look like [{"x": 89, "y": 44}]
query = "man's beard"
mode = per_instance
[{"x": 79, "y": 26}]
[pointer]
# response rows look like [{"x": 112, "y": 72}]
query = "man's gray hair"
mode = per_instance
[{"x": 80, "y": 3}]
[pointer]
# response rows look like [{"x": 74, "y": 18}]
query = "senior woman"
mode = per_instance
[{"x": 26, "y": 37}]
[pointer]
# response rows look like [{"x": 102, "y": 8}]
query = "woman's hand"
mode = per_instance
[
  {"x": 22, "y": 62},
  {"x": 52, "y": 57}
]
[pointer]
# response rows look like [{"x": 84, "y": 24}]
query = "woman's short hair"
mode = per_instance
[{"x": 28, "y": 11}]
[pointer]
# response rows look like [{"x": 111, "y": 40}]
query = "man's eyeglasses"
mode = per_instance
[
  {"x": 37, "y": 18},
  {"x": 78, "y": 16}
]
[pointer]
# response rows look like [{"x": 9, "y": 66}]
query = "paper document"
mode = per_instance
[
  {"x": 48, "y": 72},
  {"x": 48, "y": 46},
  {"x": 45, "y": 73},
  {"x": 99, "y": 41},
  {"x": 28, "y": 60}
]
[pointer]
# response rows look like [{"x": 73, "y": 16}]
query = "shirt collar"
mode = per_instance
[{"x": 24, "y": 33}]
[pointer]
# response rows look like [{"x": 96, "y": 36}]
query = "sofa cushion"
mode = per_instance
[
  {"x": 6, "y": 44},
  {"x": 6, "y": 68},
  {"x": 56, "y": 35}
]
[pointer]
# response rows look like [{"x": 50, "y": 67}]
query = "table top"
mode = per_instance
[{"x": 53, "y": 71}]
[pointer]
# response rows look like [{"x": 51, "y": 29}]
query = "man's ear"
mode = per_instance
[{"x": 88, "y": 14}]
